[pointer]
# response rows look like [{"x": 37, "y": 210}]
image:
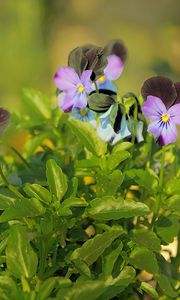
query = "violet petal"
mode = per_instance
[
  {"x": 153, "y": 108},
  {"x": 169, "y": 133}
]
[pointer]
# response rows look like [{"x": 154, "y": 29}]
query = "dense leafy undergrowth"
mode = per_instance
[
  {"x": 90, "y": 204},
  {"x": 79, "y": 218}
]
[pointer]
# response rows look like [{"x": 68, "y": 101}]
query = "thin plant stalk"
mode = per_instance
[
  {"x": 134, "y": 123},
  {"x": 160, "y": 187}
]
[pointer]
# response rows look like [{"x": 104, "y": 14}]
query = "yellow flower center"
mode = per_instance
[
  {"x": 80, "y": 89},
  {"x": 83, "y": 112},
  {"x": 165, "y": 118},
  {"x": 102, "y": 79}
]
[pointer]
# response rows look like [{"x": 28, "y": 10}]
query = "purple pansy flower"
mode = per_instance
[
  {"x": 112, "y": 71},
  {"x": 75, "y": 88},
  {"x": 162, "y": 106},
  {"x": 116, "y": 53}
]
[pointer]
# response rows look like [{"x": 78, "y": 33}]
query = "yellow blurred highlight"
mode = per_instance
[
  {"x": 130, "y": 195},
  {"x": 47, "y": 143},
  {"x": 134, "y": 188},
  {"x": 88, "y": 180},
  {"x": 19, "y": 140},
  {"x": 90, "y": 231}
]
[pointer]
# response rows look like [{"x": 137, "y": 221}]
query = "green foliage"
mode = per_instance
[
  {"x": 21, "y": 258},
  {"x": 147, "y": 238},
  {"x": 93, "y": 248},
  {"x": 57, "y": 181},
  {"x": 110, "y": 208},
  {"x": 78, "y": 218},
  {"x": 144, "y": 259},
  {"x": 88, "y": 137}
]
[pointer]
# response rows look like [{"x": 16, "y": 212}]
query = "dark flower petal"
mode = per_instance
[
  {"x": 100, "y": 102},
  {"x": 4, "y": 117},
  {"x": 177, "y": 87},
  {"x": 77, "y": 60},
  {"x": 117, "y": 122},
  {"x": 160, "y": 87},
  {"x": 116, "y": 47},
  {"x": 88, "y": 57},
  {"x": 97, "y": 61}
]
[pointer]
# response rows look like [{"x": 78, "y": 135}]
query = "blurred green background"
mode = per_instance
[{"x": 37, "y": 35}]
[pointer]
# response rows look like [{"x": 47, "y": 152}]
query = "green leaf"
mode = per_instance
[
  {"x": 7, "y": 198},
  {"x": 72, "y": 187},
  {"x": 107, "y": 184},
  {"x": 64, "y": 211},
  {"x": 122, "y": 147},
  {"x": 74, "y": 202},
  {"x": 116, "y": 158},
  {"x": 109, "y": 208},
  {"x": 88, "y": 137},
  {"x": 21, "y": 258},
  {"x": 166, "y": 286},
  {"x": 100, "y": 102},
  {"x": 89, "y": 290},
  {"x": 167, "y": 228},
  {"x": 118, "y": 284},
  {"x": 8, "y": 288},
  {"x": 128, "y": 103},
  {"x": 143, "y": 178},
  {"x": 147, "y": 288},
  {"x": 93, "y": 248},
  {"x": 50, "y": 284},
  {"x": 110, "y": 259},
  {"x": 144, "y": 259},
  {"x": 173, "y": 187},
  {"x": 82, "y": 267},
  {"x": 23, "y": 208},
  {"x": 92, "y": 162},
  {"x": 124, "y": 278},
  {"x": 37, "y": 105},
  {"x": 38, "y": 192},
  {"x": 173, "y": 203},
  {"x": 146, "y": 238},
  {"x": 46, "y": 288},
  {"x": 57, "y": 181}
]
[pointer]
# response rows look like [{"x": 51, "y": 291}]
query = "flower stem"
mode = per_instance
[
  {"x": 21, "y": 157},
  {"x": 160, "y": 186},
  {"x": 150, "y": 144},
  {"x": 96, "y": 86},
  {"x": 16, "y": 152},
  {"x": 134, "y": 123}
]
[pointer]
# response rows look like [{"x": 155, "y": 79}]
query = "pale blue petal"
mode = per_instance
[
  {"x": 105, "y": 118},
  {"x": 106, "y": 134},
  {"x": 107, "y": 85}
]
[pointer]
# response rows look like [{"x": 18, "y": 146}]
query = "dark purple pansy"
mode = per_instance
[
  {"x": 75, "y": 88},
  {"x": 162, "y": 106},
  {"x": 4, "y": 117}
]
